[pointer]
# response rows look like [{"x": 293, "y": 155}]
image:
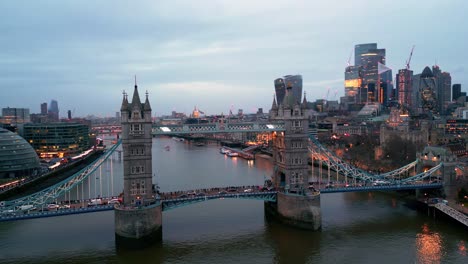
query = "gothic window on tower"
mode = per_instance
[
  {"x": 137, "y": 187},
  {"x": 137, "y": 169},
  {"x": 137, "y": 150},
  {"x": 296, "y": 178},
  {"x": 136, "y": 115},
  {"x": 142, "y": 187},
  {"x": 136, "y": 129}
]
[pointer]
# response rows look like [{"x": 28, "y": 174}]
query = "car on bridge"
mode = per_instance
[
  {"x": 52, "y": 207},
  {"x": 201, "y": 194},
  {"x": 114, "y": 201},
  {"x": 222, "y": 192},
  {"x": 248, "y": 190},
  {"x": 380, "y": 183}
]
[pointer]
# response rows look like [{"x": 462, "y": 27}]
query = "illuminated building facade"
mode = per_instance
[
  {"x": 353, "y": 85},
  {"x": 368, "y": 56},
  {"x": 15, "y": 116},
  {"x": 404, "y": 84},
  {"x": 52, "y": 140}
]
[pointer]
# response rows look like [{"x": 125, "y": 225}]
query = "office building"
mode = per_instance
[
  {"x": 294, "y": 81},
  {"x": 17, "y": 157},
  {"x": 53, "y": 111},
  {"x": 368, "y": 56},
  {"x": 443, "y": 89},
  {"x": 456, "y": 91},
  {"x": 404, "y": 83},
  {"x": 53, "y": 140},
  {"x": 427, "y": 92},
  {"x": 44, "y": 109},
  {"x": 15, "y": 116},
  {"x": 354, "y": 92}
]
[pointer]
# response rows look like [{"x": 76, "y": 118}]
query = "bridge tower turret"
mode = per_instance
[
  {"x": 139, "y": 217},
  {"x": 296, "y": 204}
]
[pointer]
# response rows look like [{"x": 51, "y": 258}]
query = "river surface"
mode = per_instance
[{"x": 356, "y": 227}]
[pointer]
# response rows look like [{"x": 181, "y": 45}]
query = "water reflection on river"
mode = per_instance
[{"x": 357, "y": 227}]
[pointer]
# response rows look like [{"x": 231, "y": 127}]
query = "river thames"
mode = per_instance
[{"x": 356, "y": 227}]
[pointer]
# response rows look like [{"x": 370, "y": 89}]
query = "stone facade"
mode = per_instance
[
  {"x": 296, "y": 205},
  {"x": 302, "y": 211},
  {"x": 138, "y": 220},
  {"x": 290, "y": 148},
  {"x": 136, "y": 145},
  {"x": 138, "y": 226}
]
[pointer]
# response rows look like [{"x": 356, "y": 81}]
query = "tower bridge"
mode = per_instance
[{"x": 290, "y": 198}]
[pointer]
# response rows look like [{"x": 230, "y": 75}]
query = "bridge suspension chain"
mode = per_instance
[{"x": 53, "y": 192}]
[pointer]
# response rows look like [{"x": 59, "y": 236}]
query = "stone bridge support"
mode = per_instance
[{"x": 139, "y": 227}]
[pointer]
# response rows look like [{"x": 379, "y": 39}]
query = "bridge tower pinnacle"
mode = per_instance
[{"x": 139, "y": 217}]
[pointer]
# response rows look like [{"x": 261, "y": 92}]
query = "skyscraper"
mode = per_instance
[
  {"x": 368, "y": 56},
  {"x": 443, "y": 88},
  {"x": 427, "y": 92},
  {"x": 53, "y": 111},
  {"x": 404, "y": 84},
  {"x": 44, "y": 109},
  {"x": 353, "y": 85},
  {"x": 280, "y": 89},
  {"x": 295, "y": 81},
  {"x": 456, "y": 91}
]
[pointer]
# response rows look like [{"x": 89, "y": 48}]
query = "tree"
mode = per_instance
[{"x": 399, "y": 151}]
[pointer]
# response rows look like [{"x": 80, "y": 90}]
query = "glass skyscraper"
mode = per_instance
[
  {"x": 53, "y": 111},
  {"x": 295, "y": 81},
  {"x": 368, "y": 56}
]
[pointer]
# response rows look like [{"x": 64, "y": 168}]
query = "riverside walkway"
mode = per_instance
[{"x": 457, "y": 215}]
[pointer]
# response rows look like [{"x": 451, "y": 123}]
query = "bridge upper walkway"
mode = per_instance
[{"x": 217, "y": 128}]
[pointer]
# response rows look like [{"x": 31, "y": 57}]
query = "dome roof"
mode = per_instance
[
  {"x": 427, "y": 73},
  {"x": 15, "y": 154}
]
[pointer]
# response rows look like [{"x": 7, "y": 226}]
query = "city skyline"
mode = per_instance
[{"x": 217, "y": 55}]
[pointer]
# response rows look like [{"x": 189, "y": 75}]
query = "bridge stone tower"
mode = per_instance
[
  {"x": 138, "y": 219},
  {"x": 296, "y": 205}
]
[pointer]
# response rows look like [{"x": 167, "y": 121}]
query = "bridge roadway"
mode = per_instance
[
  {"x": 169, "y": 201},
  {"x": 172, "y": 200}
]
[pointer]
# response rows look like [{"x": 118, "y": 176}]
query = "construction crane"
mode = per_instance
[
  {"x": 409, "y": 59},
  {"x": 326, "y": 96},
  {"x": 349, "y": 58}
]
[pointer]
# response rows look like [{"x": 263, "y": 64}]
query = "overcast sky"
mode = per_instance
[{"x": 215, "y": 55}]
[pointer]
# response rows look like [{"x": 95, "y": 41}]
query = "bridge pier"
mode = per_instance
[
  {"x": 302, "y": 211},
  {"x": 138, "y": 227}
]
